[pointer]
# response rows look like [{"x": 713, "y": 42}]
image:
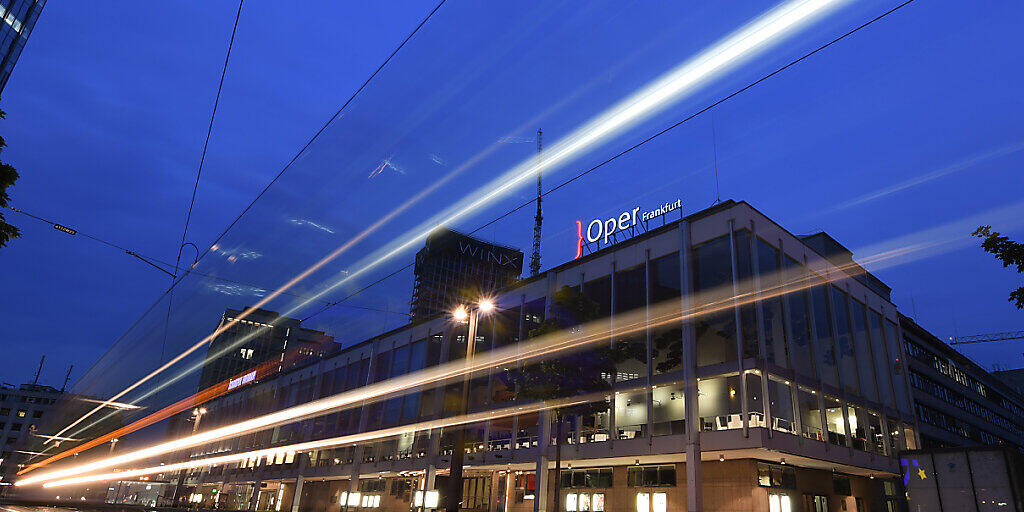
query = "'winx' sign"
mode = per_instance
[{"x": 600, "y": 230}]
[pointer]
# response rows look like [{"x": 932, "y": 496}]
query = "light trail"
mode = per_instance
[
  {"x": 753, "y": 39},
  {"x": 713, "y": 301},
  {"x": 264, "y": 370},
  {"x": 113, "y": 405},
  {"x": 340, "y": 441}
]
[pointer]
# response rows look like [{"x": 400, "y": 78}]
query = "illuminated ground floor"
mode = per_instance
[{"x": 752, "y": 479}]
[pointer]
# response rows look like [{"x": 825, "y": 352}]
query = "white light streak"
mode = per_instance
[{"x": 335, "y": 441}]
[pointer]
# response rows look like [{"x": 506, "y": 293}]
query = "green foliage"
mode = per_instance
[
  {"x": 7, "y": 177},
  {"x": 1008, "y": 252},
  {"x": 574, "y": 374}
]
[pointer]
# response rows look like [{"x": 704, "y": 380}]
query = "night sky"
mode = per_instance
[{"x": 909, "y": 130}]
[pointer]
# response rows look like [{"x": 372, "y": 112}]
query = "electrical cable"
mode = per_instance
[
  {"x": 322, "y": 129},
  {"x": 209, "y": 131},
  {"x": 643, "y": 142}
]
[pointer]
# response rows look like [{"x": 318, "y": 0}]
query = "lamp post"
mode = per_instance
[
  {"x": 472, "y": 315},
  {"x": 197, "y": 413}
]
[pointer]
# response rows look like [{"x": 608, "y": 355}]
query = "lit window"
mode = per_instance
[{"x": 22, "y": 413}]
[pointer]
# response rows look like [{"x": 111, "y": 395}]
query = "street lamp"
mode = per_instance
[
  {"x": 462, "y": 314},
  {"x": 197, "y": 413}
]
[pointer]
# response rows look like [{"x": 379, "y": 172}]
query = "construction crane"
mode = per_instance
[{"x": 985, "y": 338}]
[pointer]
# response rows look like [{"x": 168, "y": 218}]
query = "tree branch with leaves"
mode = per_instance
[
  {"x": 8, "y": 175},
  {"x": 1009, "y": 252}
]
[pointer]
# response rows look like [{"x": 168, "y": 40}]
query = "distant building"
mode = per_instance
[
  {"x": 453, "y": 268},
  {"x": 261, "y": 336},
  {"x": 957, "y": 402},
  {"x": 19, "y": 17},
  {"x": 1013, "y": 378},
  {"x": 22, "y": 409}
]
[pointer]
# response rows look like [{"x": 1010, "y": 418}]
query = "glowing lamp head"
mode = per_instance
[
  {"x": 486, "y": 306},
  {"x": 460, "y": 314},
  {"x": 202, "y": 410}
]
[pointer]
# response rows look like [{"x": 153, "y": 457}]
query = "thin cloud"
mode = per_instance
[{"x": 966, "y": 163}]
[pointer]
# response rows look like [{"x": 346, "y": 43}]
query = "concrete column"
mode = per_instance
[
  {"x": 297, "y": 497},
  {"x": 694, "y": 491},
  {"x": 762, "y": 347},
  {"x": 540, "y": 502},
  {"x": 744, "y": 407}
]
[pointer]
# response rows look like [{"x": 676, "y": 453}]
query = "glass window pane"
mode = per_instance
[
  {"x": 810, "y": 414},
  {"x": 892, "y": 341},
  {"x": 862, "y": 349},
  {"x": 836, "y": 421},
  {"x": 718, "y": 400},
  {"x": 631, "y": 414},
  {"x": 669, "y": 412},
  {"x": 774, "y": 326},
  {"x": 745, "y": 286},
  {"x": 716, "y": 330},
  {"x": 823, "y": 333},
  {"x": 781, "y": 405},
  {"x": 844, "y": 342},
  {"x": 882, "y": 368},
  {"x": 799, "y": 323}
]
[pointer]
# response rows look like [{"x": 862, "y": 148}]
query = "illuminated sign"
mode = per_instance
[
  {"x": 598, "y": 231},
  {"x": 241, "y": 381}
]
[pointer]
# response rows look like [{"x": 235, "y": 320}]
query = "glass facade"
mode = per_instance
[
  {"x": 780, "y": 345},
  {"x": 19, "y": 18}
]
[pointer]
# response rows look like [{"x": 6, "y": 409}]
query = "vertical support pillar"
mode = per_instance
[
  {"x": 737, "y": 318},
  {"x": 297, "y": 497},
  {"x": 647, "y": 345},
  {"x": 762, "y": 347},
  {"x": 540, "y": 502},
  {"x": 613, "y": 422},
  {"x": 694, "y": 483}
]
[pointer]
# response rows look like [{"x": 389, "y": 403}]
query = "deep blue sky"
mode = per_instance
[{"x": 908, "y": 125}]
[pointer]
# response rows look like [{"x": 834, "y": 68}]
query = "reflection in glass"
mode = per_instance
[
  {"x": 715, "y": 330},
  {"x": 844, "y": 343},
  {"x": 882, "y": 368},
  {"x": 862, "y": 349},
  {"x": 799, "y": 324}
]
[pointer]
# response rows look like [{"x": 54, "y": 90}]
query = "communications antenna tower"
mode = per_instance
[{"x": 535, "y": 257}]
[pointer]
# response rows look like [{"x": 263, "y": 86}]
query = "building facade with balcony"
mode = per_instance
[{"x": 771, "y": 358}]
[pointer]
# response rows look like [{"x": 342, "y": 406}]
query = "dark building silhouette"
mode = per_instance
[
  {"x": 19, "y": 17},
  {"x": 261, "y": 336},
  {"x": 454, "y": 268}
]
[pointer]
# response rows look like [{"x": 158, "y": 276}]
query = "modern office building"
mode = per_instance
[
  {"x": 452, "y": 267},
  {"x": 783, "y": 379},
  {"x": 22, "y": 409},
  {"x": 19, "y": 17},
  {"x": 260, "y": 336},
  {"x": 957, "y": 402}
]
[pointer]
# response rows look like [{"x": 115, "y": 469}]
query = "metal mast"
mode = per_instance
[{"x": 535, "y": 257}]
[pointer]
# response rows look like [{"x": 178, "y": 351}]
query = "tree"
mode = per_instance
[
  {"x": 1006, "y": 251},
  {"x": 577, "y": 374},
  {"x": 7, "y": 177}
]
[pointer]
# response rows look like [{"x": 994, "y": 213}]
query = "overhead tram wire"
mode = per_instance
[
  {"x": 642, "y": 142},
  {"x": 322, "y": 129},
  {"x": 195, "y": 187},
  {"x": 153, "y": 262}
]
